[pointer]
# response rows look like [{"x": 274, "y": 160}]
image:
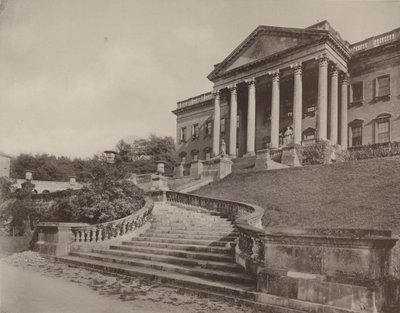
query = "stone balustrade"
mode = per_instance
[
  {"x": 191, "y": 101},
  {"x": 339, "y": 269},
  {"x": 376, "y": 41},
  {"x": 58, "y": 239}
]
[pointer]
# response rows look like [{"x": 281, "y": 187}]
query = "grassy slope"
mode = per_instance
[{"x": 363, "y": 194}]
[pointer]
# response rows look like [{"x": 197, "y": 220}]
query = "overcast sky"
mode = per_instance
[{"x": 78, "y": 75}]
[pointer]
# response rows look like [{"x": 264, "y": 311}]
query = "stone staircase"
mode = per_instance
[{"x": 192, "y": 249}]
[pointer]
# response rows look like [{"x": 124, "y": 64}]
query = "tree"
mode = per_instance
[{"x": 143, "y": 153}]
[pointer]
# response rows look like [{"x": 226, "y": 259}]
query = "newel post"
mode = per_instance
[{"x": 54, "y": 239}]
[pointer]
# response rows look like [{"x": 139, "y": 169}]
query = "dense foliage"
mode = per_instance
[
  {"x": 377, "y": 150},
  {"x": 139, "y": 157}
]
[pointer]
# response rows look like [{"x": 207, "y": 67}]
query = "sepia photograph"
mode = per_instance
[{"x": 198, "y": 156}]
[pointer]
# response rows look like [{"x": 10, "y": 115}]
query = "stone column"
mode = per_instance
[
  {"x": 333, "y": 133},
  {"x": 251, "y": 117},
  {"x": 343, "y": 108},
  {"x": 233, "y": 121},
  {"x": 275, "y": 101},
  {"x": 217, "y": 123},
  {"x": 322, "y": 99},
  {"x": 297, "y": 104}
]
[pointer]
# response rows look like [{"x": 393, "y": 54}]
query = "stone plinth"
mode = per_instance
[
  {"x": 178, "y": 170},
  {"x": 290, "y": 157},
  {"x": 196, "y": 168},
  {"x": 158, "y": 182},
  {"x": 340, "y": 268},
  {"x": 217, "y": 167},
  {"x": 55, "y": 239},
  {"x": 264, "y": 162}
]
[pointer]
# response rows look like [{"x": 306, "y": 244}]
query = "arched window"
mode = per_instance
[
  {"x": 356, "y": 132},
  {"x": 382, "y": 128},
  {"x": 309, "y": 135}
]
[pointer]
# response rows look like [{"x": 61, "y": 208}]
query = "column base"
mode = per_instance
[{"x": 248, "y": 154}]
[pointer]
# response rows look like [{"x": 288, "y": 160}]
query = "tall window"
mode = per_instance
[
  {"x": 358, "y": 92},
  {"x": 382, "y": 86},
  {"x": 195, "y": 131},
  {"x": 383, "y": 131},
  {"x": 208, "y": 128},
  {"x": 223, "y": 125},
  {"x": 182, "y": 135},
  {"x": 356, "y": 135},
  {"x": 382, "y": 128},
  {"x": 238, "y": 121}
]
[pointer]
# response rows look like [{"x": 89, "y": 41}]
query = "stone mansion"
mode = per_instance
[{"x": 284, "y": 85}]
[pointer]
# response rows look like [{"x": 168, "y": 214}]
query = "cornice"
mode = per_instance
[
  {"x": 375, "y": 50},
  {"x": 264, "y": 60},
  {"x": 192, "y": 107}
]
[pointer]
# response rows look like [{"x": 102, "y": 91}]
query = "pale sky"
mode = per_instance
[{"x": 78, "y": 75}]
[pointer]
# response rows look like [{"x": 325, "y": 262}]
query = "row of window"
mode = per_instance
[
  {"x": 195, "y": 130},
  {"x": 381, "y": 130},
  {"x": 381, "y": 89}
]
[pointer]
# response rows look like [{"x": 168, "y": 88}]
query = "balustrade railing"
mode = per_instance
[
  {"x": 247, "y": 217},
  {"x": 195, "y": 100},
  {"x": 376, "y": 41},
  {"x": 109, "y": 230}
]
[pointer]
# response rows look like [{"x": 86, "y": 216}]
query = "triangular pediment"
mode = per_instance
[
  {"x": 263, "y": 42},
  {"x": 265, "y": 45}
]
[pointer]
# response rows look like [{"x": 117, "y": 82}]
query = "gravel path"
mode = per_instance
[{"x": 30, "y": 283}]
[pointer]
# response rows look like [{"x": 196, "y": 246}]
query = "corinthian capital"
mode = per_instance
[
  {"x": 344, "y": 78},
  {"x": 232, "y": 88},
  {"x": 250, "y": 82},
  {"x": 275, "y": 75},
  {"x": 323, "y": 60},
  {"x": 216, "y": 93},
  {"x": 298, "y": 68},
  {"x": 334, "y": 70}
]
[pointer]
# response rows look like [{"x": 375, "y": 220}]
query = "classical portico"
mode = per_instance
[{"x": 301, "y": 87}]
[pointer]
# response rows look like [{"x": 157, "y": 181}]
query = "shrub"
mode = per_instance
[
  {"x": 99, "y": 202},
  {"x": 377, "y": 150}
]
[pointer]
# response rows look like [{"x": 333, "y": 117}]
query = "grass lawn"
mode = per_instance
[{"x": 363, "y": 194}]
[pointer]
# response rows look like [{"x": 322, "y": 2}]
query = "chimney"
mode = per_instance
[{"x": 28, "y": 175}]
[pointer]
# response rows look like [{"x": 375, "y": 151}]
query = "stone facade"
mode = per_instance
[{"x": 285, "y": 86}]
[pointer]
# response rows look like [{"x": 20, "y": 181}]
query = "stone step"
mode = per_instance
[
  {"x": 180, "y": 246},
  {"x": 194, "y": 235},
  {"x": 178, "y": 253},
  {"x": 230, "y": 292},
  {"x": 180, "y": 214},
  {"x": 222, "y": 243},
  {"x": 240, "y": 278},
  {"x": 191, "y": 222},
  {"x": 204, "y": 229},
  {"x": 215, "y": 265},
  {"x": 205, "y": 232}
]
